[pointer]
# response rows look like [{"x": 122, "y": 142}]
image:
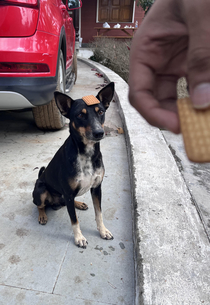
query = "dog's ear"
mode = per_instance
[
  {"x": 106, "y": 94},
  {"x": 63, "y": 102}
]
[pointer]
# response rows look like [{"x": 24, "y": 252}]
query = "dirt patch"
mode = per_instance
[
  {"x": 10, "y": 216},
  {"x": 2, "y": 246},
  {"x": 21, "y": 232},
  {"x": 14, "y": 259}
]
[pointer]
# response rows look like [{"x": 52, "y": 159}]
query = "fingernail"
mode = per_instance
[{"x": 200, "y": 96}]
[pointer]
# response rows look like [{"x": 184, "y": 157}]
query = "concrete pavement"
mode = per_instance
[{"x": 171, "y": 248}]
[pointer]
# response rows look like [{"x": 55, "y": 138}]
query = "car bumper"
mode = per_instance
[
  {"x": 41, "y": 48},
  {"x": 17, "y": 93}
]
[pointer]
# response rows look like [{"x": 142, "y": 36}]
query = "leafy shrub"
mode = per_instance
[{"x": 113, "y": 54}]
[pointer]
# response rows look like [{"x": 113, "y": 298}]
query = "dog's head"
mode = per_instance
[{"x": 86, "y": 115}]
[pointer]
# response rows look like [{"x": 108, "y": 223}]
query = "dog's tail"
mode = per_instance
[{"x": 42, "y": 169}]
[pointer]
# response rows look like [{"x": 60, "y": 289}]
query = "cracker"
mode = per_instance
[
  {"x": 195, "y": 128},
  {"x": 90, "y": 100}
]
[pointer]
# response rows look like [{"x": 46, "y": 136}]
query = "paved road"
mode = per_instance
[
  {"x": 197, "y": 178},
  {"x": 41, "y": 264}
]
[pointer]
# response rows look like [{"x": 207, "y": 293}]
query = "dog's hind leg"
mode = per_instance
[
  {"x": 96, "y": 197},
  {"x": 42, "y": 218},
  {"x": 40, "y": 198}
]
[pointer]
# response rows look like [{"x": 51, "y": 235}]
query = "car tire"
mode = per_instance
[{"x": 48, "y": 117}]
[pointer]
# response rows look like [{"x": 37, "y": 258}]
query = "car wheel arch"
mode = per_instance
[{"x": 62, "y": 47}]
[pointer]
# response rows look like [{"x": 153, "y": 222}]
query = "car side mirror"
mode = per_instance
[{"x": 73, "y": 4}]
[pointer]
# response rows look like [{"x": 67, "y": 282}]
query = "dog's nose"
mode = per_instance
[{"x": 98, "y": 134}]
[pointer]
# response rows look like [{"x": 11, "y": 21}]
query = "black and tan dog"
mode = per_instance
[{"x": 77, "y": 167}]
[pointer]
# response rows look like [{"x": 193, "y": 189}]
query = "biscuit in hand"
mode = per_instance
[{"x": 195, "y": 128}]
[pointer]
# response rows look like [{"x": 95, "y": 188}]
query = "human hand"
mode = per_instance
[{"x": 173, "y": 41}]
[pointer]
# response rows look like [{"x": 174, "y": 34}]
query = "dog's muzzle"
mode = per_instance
[{"x": 98, "y": 134}]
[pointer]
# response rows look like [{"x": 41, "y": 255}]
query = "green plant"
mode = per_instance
[{"x": 145, "y": 4}]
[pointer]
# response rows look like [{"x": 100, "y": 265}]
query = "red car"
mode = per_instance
[{"x": 37, "y": 56}]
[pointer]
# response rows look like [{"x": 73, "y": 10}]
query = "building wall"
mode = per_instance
[{"x": 88, "y": 20}]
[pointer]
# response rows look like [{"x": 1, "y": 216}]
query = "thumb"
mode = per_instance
[
  {"x": 200, "y": 95},
  {"x": 198, "y": 23}
]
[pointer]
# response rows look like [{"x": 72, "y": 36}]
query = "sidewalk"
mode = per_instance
[{"x": 172, "y": 251}]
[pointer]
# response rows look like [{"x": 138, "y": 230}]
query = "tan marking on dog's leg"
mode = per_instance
[
  {"x": 104, "y": 232},
  {"x": 43, "y": 197},
  {"x": 80, "y": 205},
  {"x": 73, "y": 184},
  {"x": 80, "y": 240},
  {"x": 42, "y": 216}
]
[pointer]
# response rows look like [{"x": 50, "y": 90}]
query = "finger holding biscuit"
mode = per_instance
[{"x": 173, "y": 41}]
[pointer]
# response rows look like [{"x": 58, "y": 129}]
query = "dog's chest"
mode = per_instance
[{"x": 87, "y": 177}]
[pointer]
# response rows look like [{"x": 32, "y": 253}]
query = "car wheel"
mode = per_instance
[{"x": 48, "y": 117}]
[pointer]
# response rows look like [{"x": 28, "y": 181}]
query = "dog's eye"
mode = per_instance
[
  {"x": 81, "y": 115},
  {"x": 101, "y": 112}
]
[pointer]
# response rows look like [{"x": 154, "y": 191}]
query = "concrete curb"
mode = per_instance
[{"x": 170, "y": 245}]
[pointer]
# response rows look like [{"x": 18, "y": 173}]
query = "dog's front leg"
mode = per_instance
[
  {"x": 80, "y": 240},
  {"x": 96, "y": 197}
]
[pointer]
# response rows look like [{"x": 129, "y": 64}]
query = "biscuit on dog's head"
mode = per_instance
[{"x": 90, "y": 100}]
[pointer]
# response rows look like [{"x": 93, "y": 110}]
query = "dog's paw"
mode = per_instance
[
  {"x": 42, "y": 219},
  {"x": 105, "y": 233},
  {"x": 81, "y": 241},
  {"x": 80, "y": 205}
]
